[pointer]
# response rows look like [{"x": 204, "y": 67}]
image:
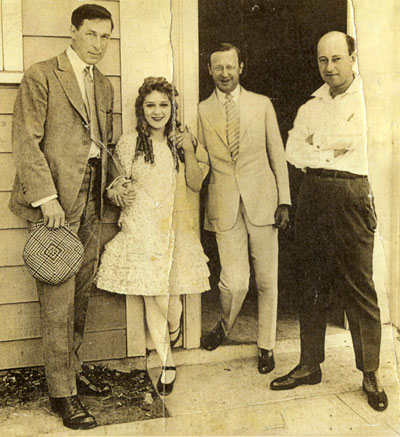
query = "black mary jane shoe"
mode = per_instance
[
  {"x": 266, "y": 362},
  {"x": 378, "y": 400},
  {"x": 162, "y": 388},
  {"x": 88, "y": 387},
  {"x": 179, "y": 330},
  {"x": 74, "y": 415}
]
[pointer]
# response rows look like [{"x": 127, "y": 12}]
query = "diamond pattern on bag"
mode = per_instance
[
  {"x": 53, "y": 255},
  {"x": 53, "y": 251}
]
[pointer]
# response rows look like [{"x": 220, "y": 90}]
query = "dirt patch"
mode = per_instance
[{"x": 133, "y": 396}]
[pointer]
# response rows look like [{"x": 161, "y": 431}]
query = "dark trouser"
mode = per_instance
[
  {"x": 63, "y": 307},
  {"x": 335, "y": 224}
]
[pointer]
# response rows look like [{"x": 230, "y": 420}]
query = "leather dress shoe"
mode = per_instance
[
  {"x": 165, "y": 388},
  {"x": 300, "y": 375},
  {"x": 266, "y": 362},
  {"x": 214, "y": 339},
  {"x": 89, "y": 387},
  {"x": 74, "y": 415},
  {"x": 377, "y": 397}
]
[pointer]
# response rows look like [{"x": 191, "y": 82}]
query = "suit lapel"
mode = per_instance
[
  {"x": 100, "y": 95},
  {"x": 246, "y": 114},
  {"x": 215, "y": 118},
  {"x": 68, "y": 81},
  {"x": 246, "y": 111}
]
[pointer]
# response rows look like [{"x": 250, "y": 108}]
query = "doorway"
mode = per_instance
[{"x": 278, "y": 39}]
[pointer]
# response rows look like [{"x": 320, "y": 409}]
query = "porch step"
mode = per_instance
[{"x": 338, "y": 338}]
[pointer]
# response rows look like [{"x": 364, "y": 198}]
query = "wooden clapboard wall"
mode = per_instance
[{"x": 46, "y": 25}]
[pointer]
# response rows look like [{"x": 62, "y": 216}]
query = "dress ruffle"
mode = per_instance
[{"x": 157, "y": 252}]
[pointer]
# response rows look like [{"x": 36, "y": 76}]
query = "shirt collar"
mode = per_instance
[
  {"x": 235, "y": 94},
  {"x": 324, "y": 91},
  {"x": 77, "y": 64}
]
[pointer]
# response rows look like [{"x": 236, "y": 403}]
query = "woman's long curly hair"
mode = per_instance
[{"x": 144, "y": 144}]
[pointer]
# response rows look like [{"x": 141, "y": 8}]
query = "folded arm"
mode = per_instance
[
  {"x": 341, "y": 133},
  {"x": 300, "y": 148}
]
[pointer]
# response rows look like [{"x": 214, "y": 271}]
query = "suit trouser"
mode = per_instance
[
  {"x": 233, "y": 249},
  {"x": 63, "y": 307},
  {"x": 335, "y": 224}
]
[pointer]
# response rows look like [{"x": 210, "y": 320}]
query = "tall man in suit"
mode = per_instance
[
  {"x": 248, "y": 196},
  {"x": 62, "y": 115},
  {"x": 335, "y": 219}
]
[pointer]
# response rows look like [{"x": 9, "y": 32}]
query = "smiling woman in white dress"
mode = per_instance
[{"x": 157, "y": 254}]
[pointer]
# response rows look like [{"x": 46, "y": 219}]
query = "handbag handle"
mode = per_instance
[{"x": 101, "y": 145}]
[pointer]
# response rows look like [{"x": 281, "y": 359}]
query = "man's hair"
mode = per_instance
[
  {"x": 225, "y": 47},
  {"x": 351, "y": 44},
  {"x": 90, "y": 12}
]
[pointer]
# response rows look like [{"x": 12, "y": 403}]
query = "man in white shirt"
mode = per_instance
[
  {"x": 248, "y": 196},
  {"x": 335, "y": 219},
  {"x": 62, "y": 124}
]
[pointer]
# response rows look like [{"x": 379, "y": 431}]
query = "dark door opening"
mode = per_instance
[{"x": 278, "y": 39}]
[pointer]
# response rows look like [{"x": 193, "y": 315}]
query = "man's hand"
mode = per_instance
[
  {"x": 281, "y": 217},
  {"x": 53, "y": 214},
  {"x": 121, "y": 193}
]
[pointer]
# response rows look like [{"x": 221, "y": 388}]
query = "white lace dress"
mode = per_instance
[{"x": 157, "y": 251}]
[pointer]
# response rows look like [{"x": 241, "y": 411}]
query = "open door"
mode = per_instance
[{"x": 278, "y": 39}]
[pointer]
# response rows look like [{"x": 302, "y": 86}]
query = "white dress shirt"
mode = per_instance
[
  {"x": 325, "y": 124},
  {"x": 79, "y": 67}
]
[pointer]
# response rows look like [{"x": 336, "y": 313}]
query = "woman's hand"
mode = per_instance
[
  {"x": 122, "y": 193},
  {"x": 183, "y": 139}
]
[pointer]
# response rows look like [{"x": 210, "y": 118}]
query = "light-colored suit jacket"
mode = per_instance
[
  {"x": 50, "y": 138},
  {"x": 259, "y": 177}
]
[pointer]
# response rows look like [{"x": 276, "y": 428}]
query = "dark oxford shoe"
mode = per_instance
[
  {"x": 214, "y": 339},
  {"x": 89, "y": 387},
  {"x": 266, "y": 362},
  {"x": 74, "y": 415},
  {"x": 302, "y": 374},
  {"x": 377, "y": 397}
]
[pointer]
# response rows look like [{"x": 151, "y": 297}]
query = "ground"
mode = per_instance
[
  {"x": 133, "y": 397},
  {"x": 221, "y": 393}
]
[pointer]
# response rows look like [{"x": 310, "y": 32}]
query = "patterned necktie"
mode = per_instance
[
  {"x": 232, "y": 126},
  {"x": 90, "y": 104}
]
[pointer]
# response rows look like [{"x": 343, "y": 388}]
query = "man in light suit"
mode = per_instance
[
  {"x": 62, "y": 116},
  {"x": 248, "y": 196}
]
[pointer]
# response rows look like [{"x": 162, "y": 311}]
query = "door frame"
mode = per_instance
[
  {"x": 156, "y": 42},
  {"x": 181, "y": 43}
]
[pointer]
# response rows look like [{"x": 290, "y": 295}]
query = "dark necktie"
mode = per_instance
[{"x": 90, "y": 104}]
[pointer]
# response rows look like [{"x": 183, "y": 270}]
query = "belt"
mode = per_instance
[
  {"x": 325, "y": 173},
  {"x": 94, "y": 162}
]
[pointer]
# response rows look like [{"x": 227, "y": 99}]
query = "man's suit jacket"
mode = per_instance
[
  {"x": 50, "y": 137},
  {"x": 259, "y": 176}
]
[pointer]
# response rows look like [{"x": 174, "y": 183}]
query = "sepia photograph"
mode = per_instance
[{"x": 200, "y": 217}]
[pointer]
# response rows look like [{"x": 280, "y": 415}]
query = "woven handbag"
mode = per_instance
[{"x": 53, "y": 255}]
